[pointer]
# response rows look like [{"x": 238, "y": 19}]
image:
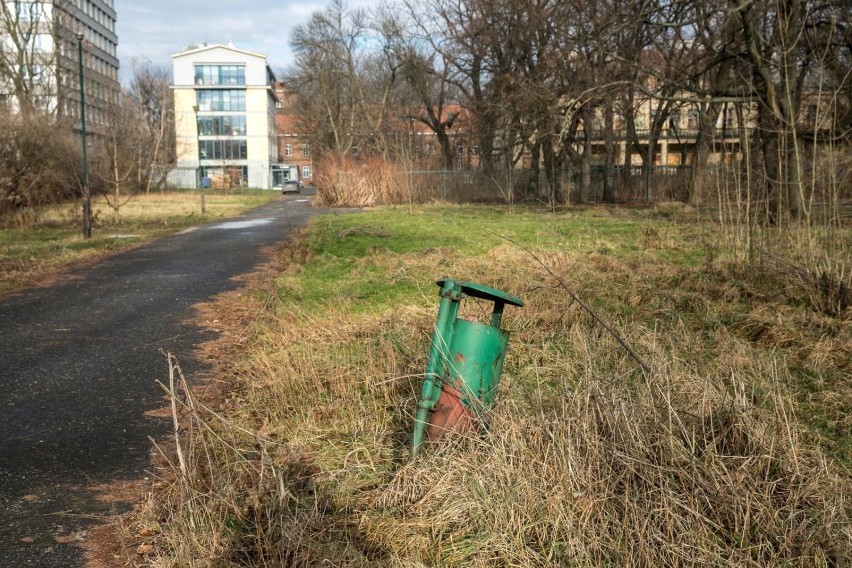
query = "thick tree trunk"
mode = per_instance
[
  {"x": 535, "y": 171},
  {"x": 609, "y": 148},
  {"x": 779, "y": 87},
  {"x": 586, "y": 168},
  {"x": 583, "y": 159},
  {"x": 767, "y": 161},
  {"x": 486, "y": 152},
  {"x": 707, "y": 115},
  {"x": 553, "y": 172},
  {"x": 792, "y": 173},
  {"x": 446, "y": 148},
  {"x": 116, "y": 176}
]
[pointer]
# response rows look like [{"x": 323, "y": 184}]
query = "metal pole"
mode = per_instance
[
  {"x": 87, "y": 206},
  {"x": 438, "y": 356},
  {"x": 198, "y": 143}
]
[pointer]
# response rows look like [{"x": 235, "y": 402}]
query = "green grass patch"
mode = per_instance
[{"x": 362, "y": 260}]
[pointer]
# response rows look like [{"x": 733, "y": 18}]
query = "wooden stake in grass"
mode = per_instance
[{"x": 173, "y": 396}]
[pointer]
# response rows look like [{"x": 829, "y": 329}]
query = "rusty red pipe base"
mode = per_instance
[{"x": 450, "y": 414}]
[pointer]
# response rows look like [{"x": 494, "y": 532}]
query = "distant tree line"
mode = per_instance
[{"x": 537, "y": 77}]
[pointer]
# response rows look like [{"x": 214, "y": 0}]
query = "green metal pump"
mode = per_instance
[{"x": 465, "y": 362}]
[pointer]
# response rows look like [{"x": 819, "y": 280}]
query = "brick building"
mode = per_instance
[{"x": 294, "y": 153}]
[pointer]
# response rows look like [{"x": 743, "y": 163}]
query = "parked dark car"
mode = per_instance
[{"x": 293, "y": 185}]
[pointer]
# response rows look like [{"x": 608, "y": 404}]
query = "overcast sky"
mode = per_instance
[{"x": 155, "y": 29}]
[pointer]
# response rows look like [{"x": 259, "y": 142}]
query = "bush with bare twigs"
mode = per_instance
[
  {"x": 346, "y": 182},
  {"x": 38, "y": 166}
]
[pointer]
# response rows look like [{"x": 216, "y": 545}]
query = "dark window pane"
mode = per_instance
[
  {"x": 221, "y": 100},
  {"x": 220, "y": 75}
]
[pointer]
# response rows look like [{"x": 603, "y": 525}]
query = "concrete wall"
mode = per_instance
[
  {"x": 257, "y": 134},
  {"x": 182, "y": 177},
  {"x": 186, "y": 130}
]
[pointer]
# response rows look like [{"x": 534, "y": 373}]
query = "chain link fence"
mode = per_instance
[
  {"x": 629, "y": 185},
  {"x": 733, "y": 182}
]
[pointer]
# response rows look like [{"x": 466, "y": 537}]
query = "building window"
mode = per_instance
[
  {"x": 288, "y": 150},
  {"x": 221, "y": 100},
  {"x": 29, "y": 11},
  {"x": 674, "y": 120},
  {"x": 42, "y": 102},
  {"x": 41, "y": 42},
  {"x": 222, "y": 125},
  {"x": 306, "y": 150},
  {"x": 222, "y": 150},
  {"x": 227, "y": 176},
  {"x": 811, "y": 115},
  {"x": 306, "y": 172},
  {"x": 729, "y": 118},
  {"x": 220, "y": 75},
  {"x": 692, "y": 119},
  {"x": 35, "y": 74},
  {"x": 212, "y": 171}
]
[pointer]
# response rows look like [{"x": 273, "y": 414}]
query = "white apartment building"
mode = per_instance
[
  {"x": 39, "y": 56},
  {"x": 224, "y": 118}
]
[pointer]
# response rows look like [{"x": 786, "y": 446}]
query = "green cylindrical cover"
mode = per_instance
[
  {"x": 465, "y": 362},
  {"x": 476, "y": 357}
]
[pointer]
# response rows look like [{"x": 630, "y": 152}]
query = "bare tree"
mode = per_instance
[
  {"x": 453, "y": 44},
  {"x": 785, "y": 43},
  {"x": 377, "y": 77},
  {"x": 344, "y": 72},
  {"x": 322, "y": 75},
  {"x": 117, "y": 153},
  {"x": 427, "y": 76},
  {"x": 38, "y": 159},
  {"x": 151, "y": 95},
  {"x": 138, "y": 150},
  {"x": 28, "y": 58},
  {"x": 541, "y": 79},
  {"x": 39, "y": 164}
]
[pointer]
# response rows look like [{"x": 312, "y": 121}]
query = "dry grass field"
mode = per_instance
[
  {"x": 52, "y": 239},
  {"x": 734, "y": 450}
]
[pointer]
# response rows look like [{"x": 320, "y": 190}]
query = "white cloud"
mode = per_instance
[{"x": 156, "y": 29}]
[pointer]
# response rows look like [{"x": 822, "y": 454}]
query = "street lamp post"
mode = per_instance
[
  {"x": 198, "y": 142},
  {"x": 87, "y": 206}
]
